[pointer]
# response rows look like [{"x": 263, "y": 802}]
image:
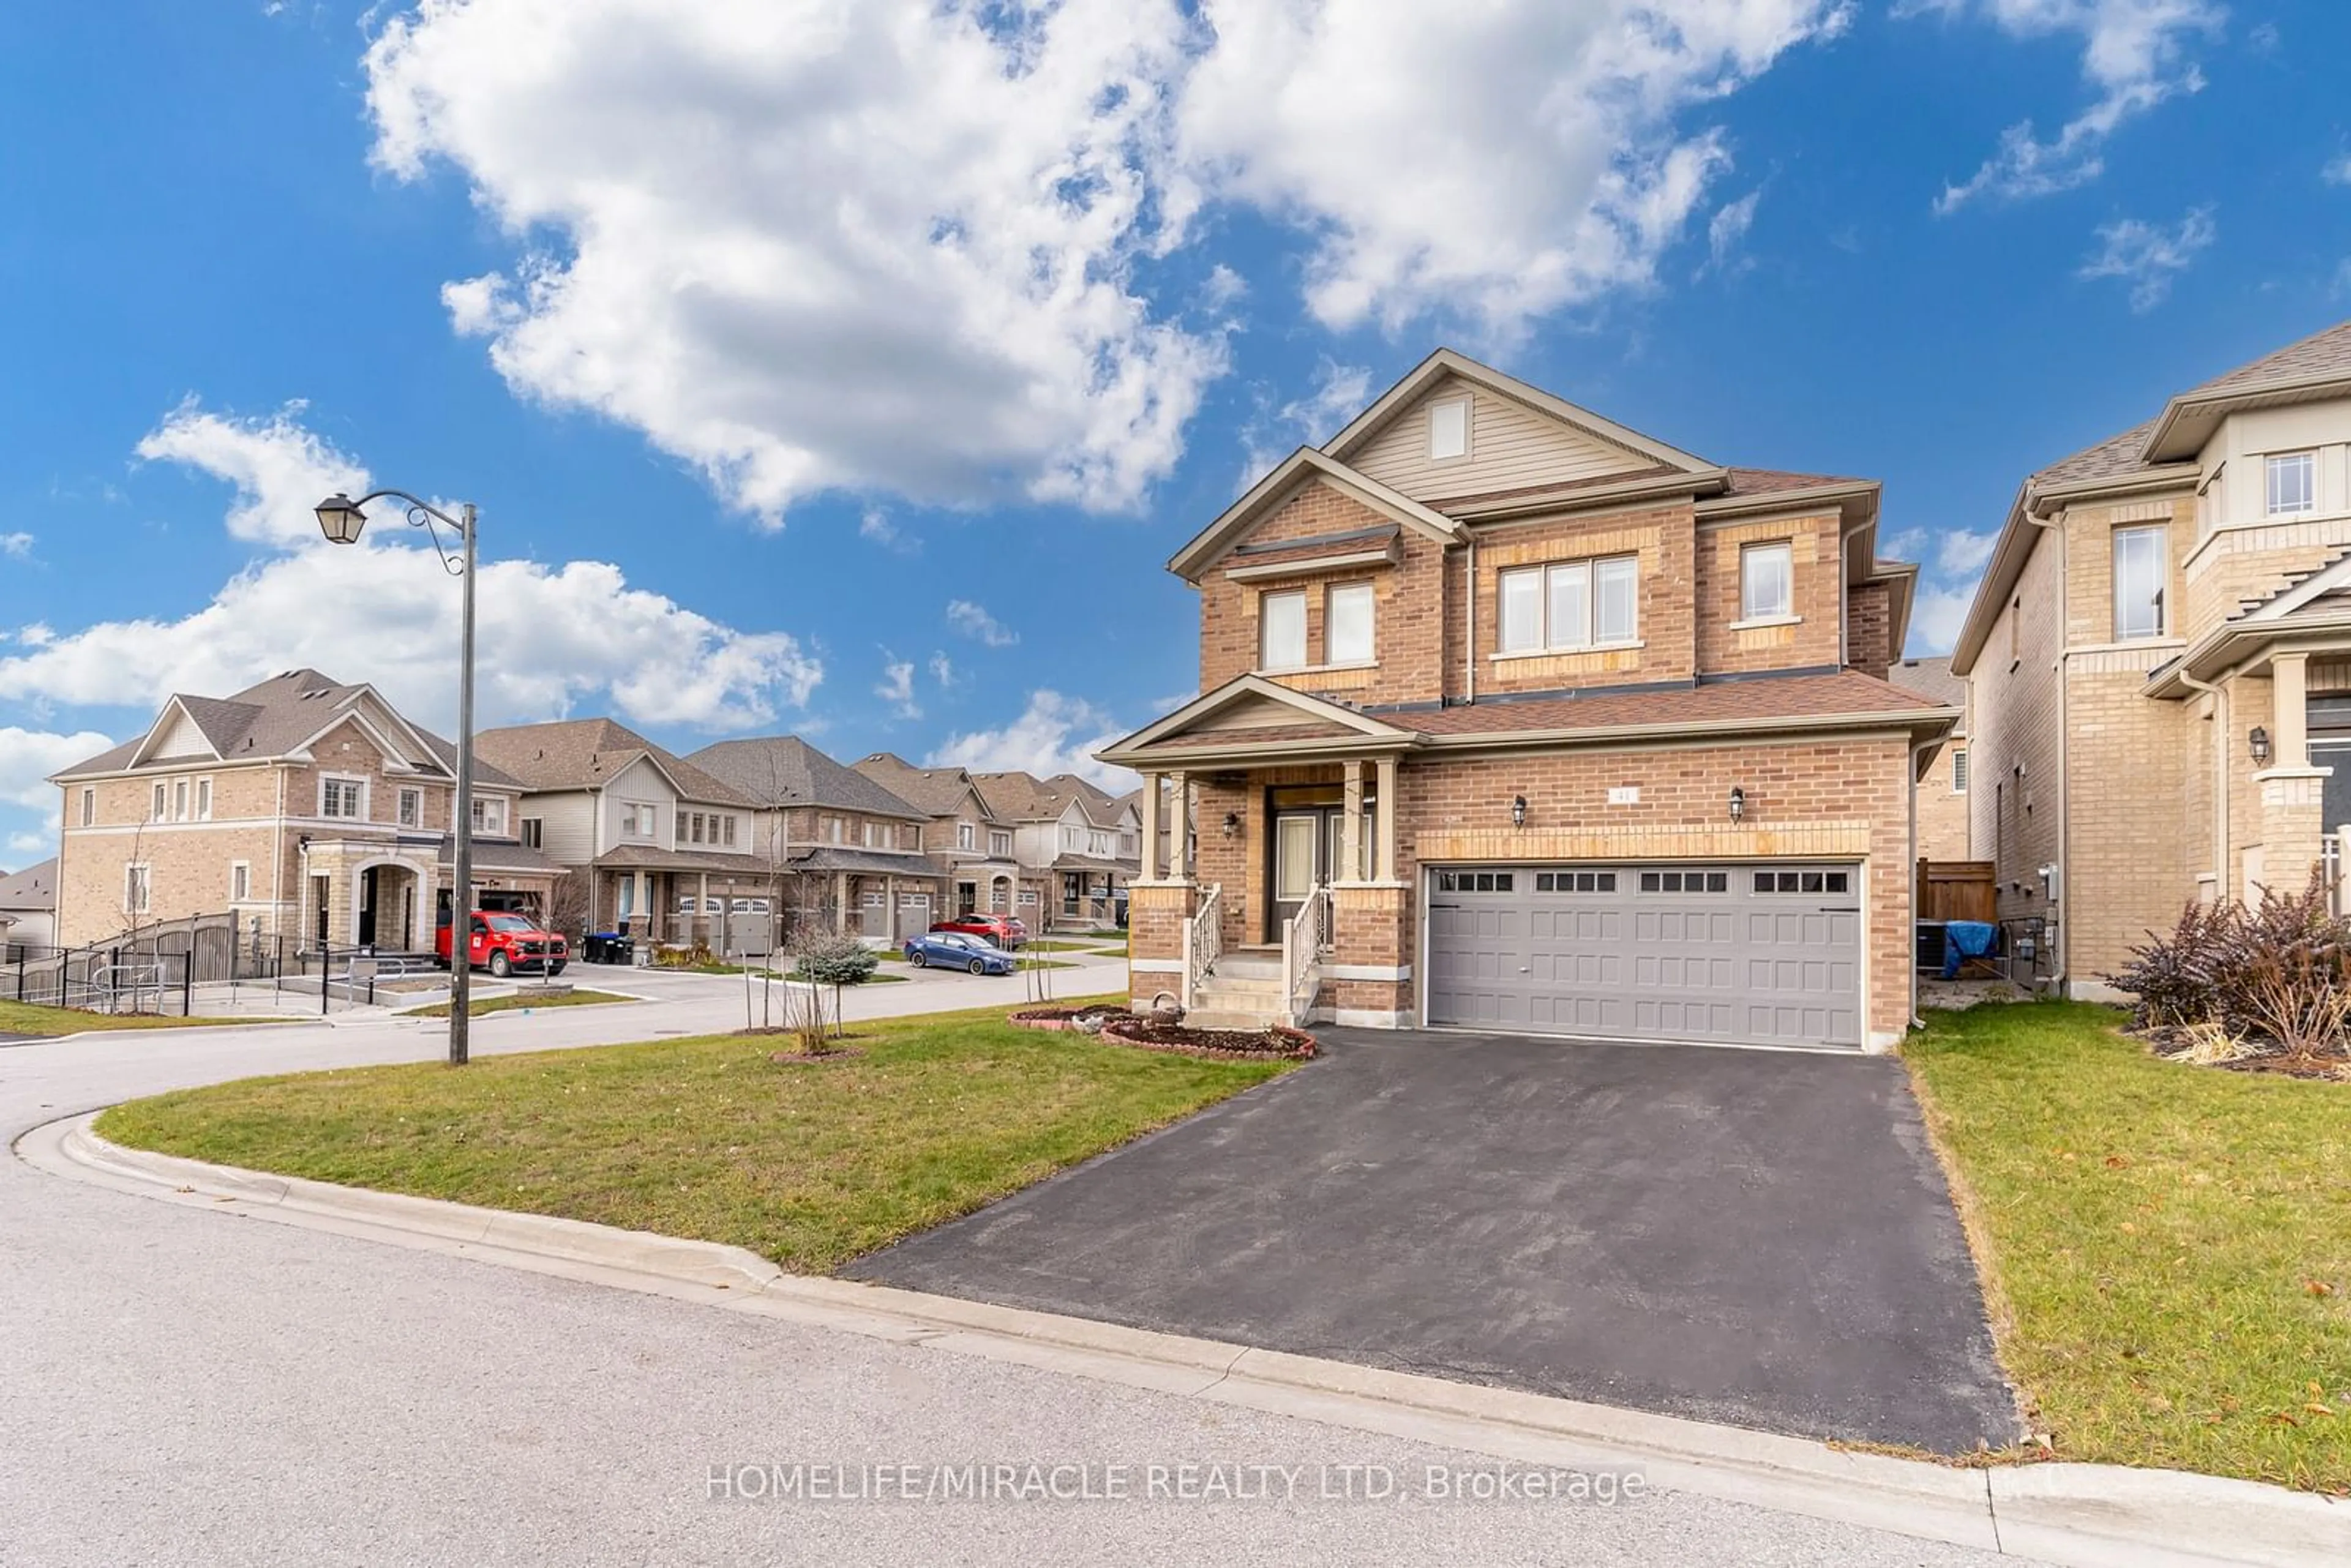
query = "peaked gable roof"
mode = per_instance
[
  {"x": 35, "y": 887},
  {"x": 1444, "y": 362},
  {"x": 586, "y": 753},
  {"x": 1275, "y": 712},
  {"x": 785, "y": 770},
  {"x": 941, "y": 791},
  {"x": 1292, "y": 474},
  {"x": 2318, "y": 365}
]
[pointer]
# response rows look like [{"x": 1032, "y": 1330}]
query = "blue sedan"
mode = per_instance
[{"x": 958, "y": 950}]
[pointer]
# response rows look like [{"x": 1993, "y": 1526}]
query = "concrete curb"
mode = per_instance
[{"x": 2091, "y": 1515}]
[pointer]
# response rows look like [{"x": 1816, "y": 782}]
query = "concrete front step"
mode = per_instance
[
  {"x": 1208, "y": 1018},
  {"x": 1231, "y": 968},
  {"x": 1267, "y": 992}
]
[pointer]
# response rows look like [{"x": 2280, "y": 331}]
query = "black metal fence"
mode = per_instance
[{"x": 156, "y": 969}]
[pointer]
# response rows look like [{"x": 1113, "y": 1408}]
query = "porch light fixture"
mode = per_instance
[
  {"x": 1517, "y": 810},
  {"x": 1232, "y": 824},
  {"x": 341, "y": 519},
  {"x": 1738, "y": 802},
  {"x": 2258, "y": 743}
]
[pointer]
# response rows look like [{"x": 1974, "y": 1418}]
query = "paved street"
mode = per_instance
[
  {"x": 191, "y": 1388},
  {"x": 1756, "y": 1237}
]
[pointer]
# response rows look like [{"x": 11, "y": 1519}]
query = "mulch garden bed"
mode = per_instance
[
  {"x": 1276, "y": 1043},
  {"x": 1052, "y": 1018},
  {"x": 2169, "y": 1043}
]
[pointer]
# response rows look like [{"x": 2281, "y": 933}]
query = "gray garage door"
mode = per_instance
[{"x": 1763, "y": 953}]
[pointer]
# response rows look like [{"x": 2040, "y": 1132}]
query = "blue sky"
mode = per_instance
[{"x": 853, "y": 368}]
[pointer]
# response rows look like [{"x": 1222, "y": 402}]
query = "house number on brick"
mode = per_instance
[{"x": 1624, "y": 795}]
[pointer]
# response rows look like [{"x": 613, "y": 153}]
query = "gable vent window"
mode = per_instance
[
  {"x": 2141, "y": 564},
  {"x": 1448, "y": 429},
  {"x": 1281, "y": 632},
  {"x": 2293, "y": 483}
]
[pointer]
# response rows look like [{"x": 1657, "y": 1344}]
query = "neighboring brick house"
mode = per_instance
[
  {"x": 2160, "y": 664},
  {"x": 854, "y": 851},
  {"x": 1078, "y": 847},
  {"x": 663, "y": 850},
  {"x": 1513, "y": 718},
  {"x": 965, "y": 837},
  {"x": 1943, "y": 789},
  {"x": 307, "y": 808}
]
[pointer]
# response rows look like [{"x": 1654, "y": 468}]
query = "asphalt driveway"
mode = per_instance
[{"x": 1756, "y": 1238}]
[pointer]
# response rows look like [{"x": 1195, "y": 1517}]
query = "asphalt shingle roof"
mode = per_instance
[
  {"x": 937, "y": 790},
  {"x": 2114, "y": 455},
  {"x": 35, "y": 887},
  {"x": 2327, "y": 353},
  {"x": 785, "y": 770},
  {"x": 581, "y": 753},
  {"x": 1930, "y": 678}
]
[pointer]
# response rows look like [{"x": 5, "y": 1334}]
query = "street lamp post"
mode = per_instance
[{"x": 341, "y": 519}]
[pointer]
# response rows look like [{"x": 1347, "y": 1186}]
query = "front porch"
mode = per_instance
[{"x": 390, "y": 895}]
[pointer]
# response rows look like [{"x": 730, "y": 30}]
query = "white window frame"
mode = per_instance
[
  {"x": 180, "y": 799},
  {"x": 240, "y": 880},
  {"x": 1958, "y": 770},
  {"x": 532, "y": 833},
  {"x": 411, "y": 808},
  {"x": 138, "y": 887},
  {"x": 836, "y": 830},
  {"x": 157, "y": 800},
  {"x": 1594, "y": 572},
  {"x": 1264, "y": 649},
  {"x": 2280, "y": 463},
  {"x": 484, "y": 808},
  {"x": 729, "y": 820},
  {"x": 2159, "y": 601},
  {"x": 999, "y": 842},
  {"x": 1349, "y": 593},
  {"x": 327, "y": 781},
  {"x": 1446, "y": 443},
  {"x": 89, "y": 806},
  {"x": 1783, "y": 552},
  {"x": 640, "y": 820}
]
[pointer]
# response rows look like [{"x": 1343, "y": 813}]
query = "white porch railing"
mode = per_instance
[
  {"x": 1305, "y": 937},
  {"x": 2332, "y": 861},
  {"x": 1204, "y": 941}
]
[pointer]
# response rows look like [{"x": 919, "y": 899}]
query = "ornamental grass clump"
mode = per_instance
[{"x": 2276, "y": 973}]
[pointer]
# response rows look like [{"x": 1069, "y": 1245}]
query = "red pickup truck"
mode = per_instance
[
  {"x": 505, "y": 943},
  {"x": 1005, "y": 931}
]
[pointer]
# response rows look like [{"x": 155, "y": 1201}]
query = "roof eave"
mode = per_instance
[
  {"x": 2162, "y": 443},
  {"x": 1924, "y": 723}
]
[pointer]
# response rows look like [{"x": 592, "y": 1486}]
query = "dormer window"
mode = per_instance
[
  {"x": 1449, "y": 430},
  {"x": 2293, "y": 483}
]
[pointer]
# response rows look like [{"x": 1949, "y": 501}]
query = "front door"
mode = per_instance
[
  {"x": 367, "y": 906},
  {"x": 1300, "y": 848},
  {"x": 2335, "y": 798}
]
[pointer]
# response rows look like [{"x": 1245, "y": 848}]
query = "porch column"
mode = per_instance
[
  {"x": 1385, "y": 869},
  {"x": 1350, "y": 826},
  {"x": 890, "y": 908},
  {"x": 1179, "y": 831},
  {"x": 2289, "y": 697},
  {"x": 840, "y": 899},
  {"x": 1149, "y": 867},
  {"x": 702, "y": 911}
]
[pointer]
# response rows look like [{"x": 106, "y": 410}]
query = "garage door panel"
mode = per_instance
[{"x": 1731, "y": 953}]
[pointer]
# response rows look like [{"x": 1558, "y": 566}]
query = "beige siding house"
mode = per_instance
[{"x": 2161, "y": 665}]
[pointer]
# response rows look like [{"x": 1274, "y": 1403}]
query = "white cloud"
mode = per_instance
[
  {"x": 901, "y": 245},
  {"x": 1054, "y": 733},
  {"x": 27, "y": 757},
  {"x": 24, "y": 847},
  {"x": 1935, "y": 616},
  {"x": 943, "y": 671},
  {"x": 857, "y": 243},
  {"x": 2150, "y": 257},
  {"x": 1726, "y": 232},
  {"x": 897, "y": 687},
  {"x": 874, "y": 524},
  {"x": 2338, "y": 169},
  {"x": 1963, "y": 554},
  {"x": 1339, "y": 393},
  {"x": 18, "y": 546},
  {"x": 1491, "y": 163},
  {"x": 975, "y": 621},
  {"x": 384, "y": 611},
  {"x": 2133, "y": 58}
]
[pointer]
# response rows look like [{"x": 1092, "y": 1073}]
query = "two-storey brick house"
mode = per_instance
[
  {"x": 1514, "y": 718},
  {"x": 971, "y": 843},
  {"x": 2160, "y": 664},
  {"x": 307, "y": 808}
]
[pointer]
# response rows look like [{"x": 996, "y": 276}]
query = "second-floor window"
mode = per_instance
[
  {"x": 1281, "y": 632},
  {"x": 1347, "y": 624},
  {"x": 89, "y": 807},
  {"x": 1767, "y": 583},
  {"x": 639, "y": 820},
  {"x": 534, "y": 833},
  {"x": 2141, "y": 567},
  {"x": 342, "y": 798},
  {"x": 1571, "y": 604},
  {"x": 2292, "y": 482},
  {"x": 965, "y": 835},
  {"x": 490, "y": 815},
  {"x": 1098, "y": 844},
  {"x": 835, "y": 830},
  {"x": 1959, "y": 771},
  {"x": 411, "y": 807},
  {"x": 999, "y": 843}
]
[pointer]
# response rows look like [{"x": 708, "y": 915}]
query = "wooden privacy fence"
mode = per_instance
[{"x": 1956, "y": 890}]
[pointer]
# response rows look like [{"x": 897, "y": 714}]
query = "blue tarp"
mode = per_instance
[{"x": 1964, "y": 939}]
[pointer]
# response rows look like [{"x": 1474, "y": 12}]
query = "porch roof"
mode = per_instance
[
  {"x": 506, "y": 856},
  {"x": 871, "y": 862},
  {"x": 1092, "y": 863},
  {"x": 653, "y": 857}
]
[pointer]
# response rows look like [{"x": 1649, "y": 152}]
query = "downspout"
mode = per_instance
[
  {"x": 2219, "y": 697},
  {"x": 1469, "y": 636},
  {"x": 1918, "y": 749}
]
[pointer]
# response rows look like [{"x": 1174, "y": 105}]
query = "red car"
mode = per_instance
[
  {"x": 505, "y": 943},
  {"x": 1005, "y": 930}
]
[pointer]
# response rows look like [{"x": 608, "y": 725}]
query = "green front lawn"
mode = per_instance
[
  {"x": 2167, "y": 1249},
  {"x": 809, "y": 1163},
  {"x": 522, "y": 1004},
  {"x": 27, "y": 1018},
  {"x": 1051, "y": 946}
]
